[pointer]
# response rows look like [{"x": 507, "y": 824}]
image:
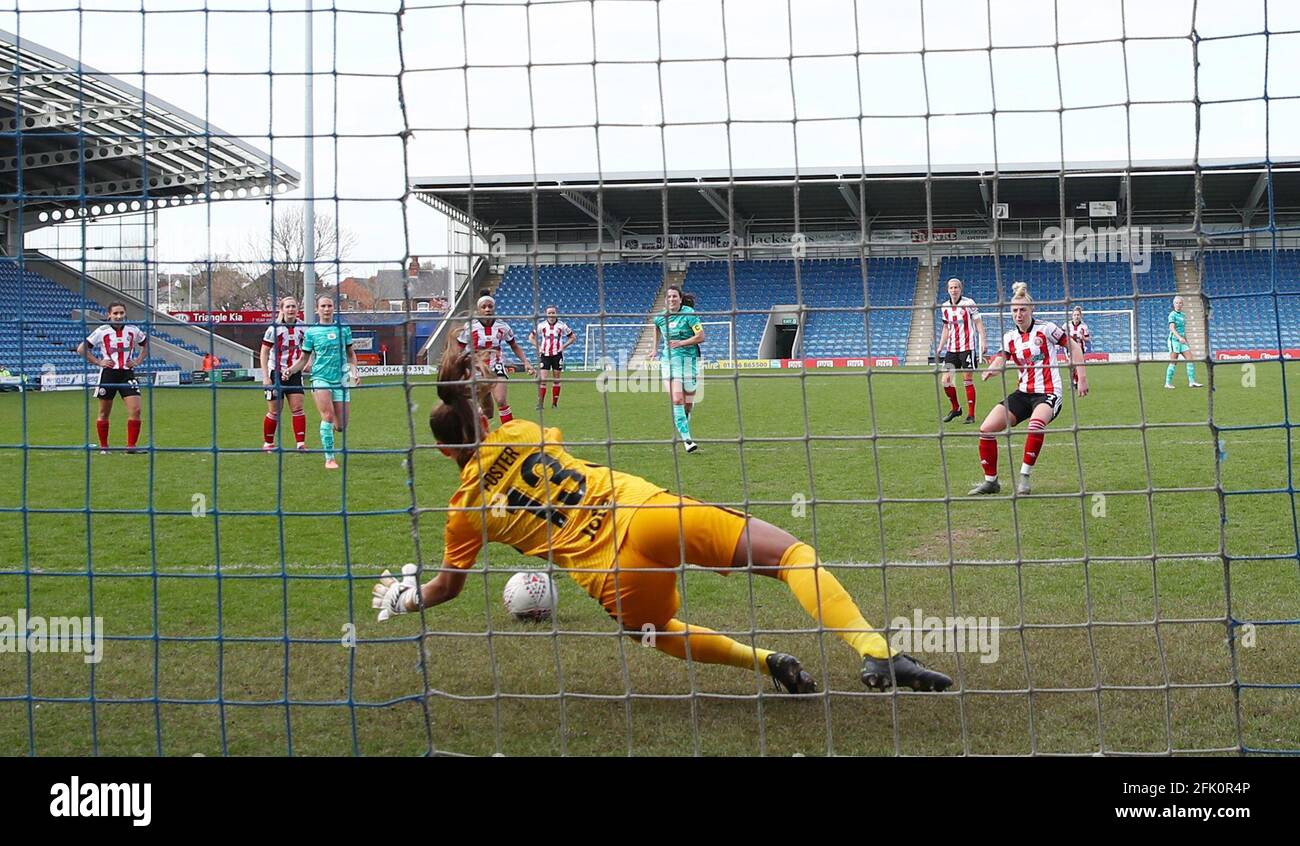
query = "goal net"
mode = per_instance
[
  {"x": 627, "y": 345},
  {"x": 1113, "y": 332},
  {"x": 819, "y": 169}
]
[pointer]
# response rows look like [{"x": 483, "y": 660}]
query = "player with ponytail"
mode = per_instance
[
  {"x": 1036, "y": 349},
  {"x": 625, "y": 541}
]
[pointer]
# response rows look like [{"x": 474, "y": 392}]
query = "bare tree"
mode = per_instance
[
  {"x": 275, "y": 257},
  {"x": 221, "y": 284}
]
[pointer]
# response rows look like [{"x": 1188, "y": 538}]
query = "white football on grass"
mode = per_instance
[{"x": 530, "y": 596}]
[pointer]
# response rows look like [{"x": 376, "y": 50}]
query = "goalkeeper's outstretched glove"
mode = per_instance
[{"x": 389, "y": 594}]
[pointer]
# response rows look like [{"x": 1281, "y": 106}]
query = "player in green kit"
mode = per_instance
[
  {"x": 1178, "y": 346},
  {"x": 325, "y": 347},
  {"x": 681, "y": 333}
]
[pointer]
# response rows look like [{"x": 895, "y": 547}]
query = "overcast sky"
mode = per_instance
[{"x": 805, "y": 83}]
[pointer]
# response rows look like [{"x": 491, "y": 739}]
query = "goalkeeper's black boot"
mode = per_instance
[
  {"x": 788, "y": 673},
  {"x": 907, "y": 670}
]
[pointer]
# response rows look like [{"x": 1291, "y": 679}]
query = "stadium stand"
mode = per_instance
[
  {"x": 1237, "y": 321},
  {"x": 1240, "y": 321},
  {"x": 37, "y": 326},
  {"x": 823, "y": 283},
  {"x": 74, "y": 162},
  {"x": 1088, "y": 280},
  {"x": 630, "y": 289}
]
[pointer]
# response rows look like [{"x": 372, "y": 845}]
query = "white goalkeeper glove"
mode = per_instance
[{"x": 389, "y": 594}]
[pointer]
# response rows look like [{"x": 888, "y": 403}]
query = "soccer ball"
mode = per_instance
[{"x": 529, "y": 596}]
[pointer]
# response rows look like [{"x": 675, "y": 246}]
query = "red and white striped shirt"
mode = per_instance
[
  {"x": 1037, "y": 354},
  {"x": 118, "y": 344},
  {"x": 285, "y": 341},
  {"x": 960, "y": 319},
  {"x": 1079, "y": 332},
  {"x": 487, "y": 340},
  {"x": 550, "y": 336}
]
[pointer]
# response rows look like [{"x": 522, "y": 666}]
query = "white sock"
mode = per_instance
[
  {"x": 1025, "y": 469},
  {"x": 989, "y": 478}
]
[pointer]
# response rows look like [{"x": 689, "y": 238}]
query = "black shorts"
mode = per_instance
[
  {"x": 552, "y": 362},
  {"x": 115, "y": 382},
  {"x": 960, "y": 360},
  {"x": 498, "y": 369},
  {"x": 281, "y": 386},
  {"x": 1022, "y": 405}
]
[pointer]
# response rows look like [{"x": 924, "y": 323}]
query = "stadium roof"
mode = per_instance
[
  {"x": 635, "y": 201},
  {"x": 58, "y": 116}
]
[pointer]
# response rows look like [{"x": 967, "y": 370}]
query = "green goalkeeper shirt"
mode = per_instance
[{"x": 329, "y": 343}]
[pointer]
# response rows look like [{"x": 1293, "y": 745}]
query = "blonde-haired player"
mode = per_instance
[
  {"x": 961, "y": 347},
  {"x": 485, "y": 336},
  {"x": 1034, "y": 348},
  {"x": 1179, "y": 347},
  {"x": 281, "y": 348},
  {"x": 624, "y": 540},
  {"x": 1080, "y": 332}
]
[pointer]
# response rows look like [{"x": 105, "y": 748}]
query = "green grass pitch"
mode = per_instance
[{"x": 253, "y": 662}]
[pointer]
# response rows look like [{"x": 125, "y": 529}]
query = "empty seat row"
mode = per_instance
[{"x": 38, "y": 330}]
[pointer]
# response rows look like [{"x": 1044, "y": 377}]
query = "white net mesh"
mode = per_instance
[{"x": 832, "y": 163}]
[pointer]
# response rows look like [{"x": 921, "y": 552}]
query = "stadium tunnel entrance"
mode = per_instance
[{"x": 781, "y": 336}]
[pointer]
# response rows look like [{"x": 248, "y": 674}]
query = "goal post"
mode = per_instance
[
  {"x": 616, "y": 351},
  {"x": 1097, "y": 588},
  {"x": 1114, "y": 331}
]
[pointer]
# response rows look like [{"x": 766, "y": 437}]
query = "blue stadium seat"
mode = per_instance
[
  {"x": 628, "y": 288},
  {"x": 1244, "y": 314},
  {"x": 37, "y": 327},
  {"x": 743, "y": 293},
  {"x": 845, "y": 286},
  {"x": 1121, "y": 284}
]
